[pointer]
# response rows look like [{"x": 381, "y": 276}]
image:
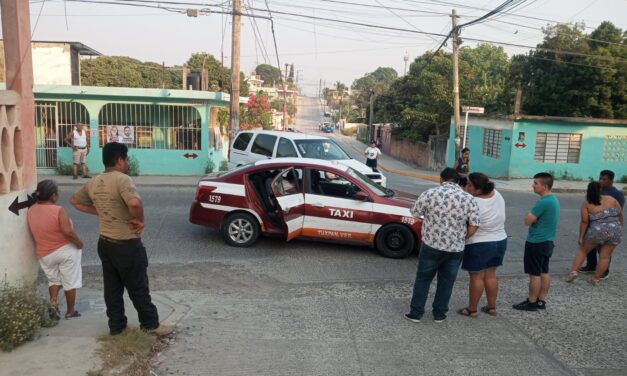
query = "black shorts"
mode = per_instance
[
  {"x": 537, "y": 257},
  {"x": 371, "y": 163}
]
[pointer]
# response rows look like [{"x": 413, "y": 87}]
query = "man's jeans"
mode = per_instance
[
  {"x": 430, "y": 262},
  {"x": 124, "y": 265}
]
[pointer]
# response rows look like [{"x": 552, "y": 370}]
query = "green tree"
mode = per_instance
[
  {"x": 269, "y": 74},
  {"x": 215, "y": 72},
  {"x": 373, "y": 83},
  {"x": 290, "y": 77},
  {"x": 586, "y": 80},
  {"x": 277, "y": 104},
  {"x": 122, "y": 71}
]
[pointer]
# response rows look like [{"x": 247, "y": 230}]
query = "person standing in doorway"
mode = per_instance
[
  {"x": 606, "y": 180},
  {"x": 542, "y": 222},
  {"x": 78, "y": 140},
  {"x": 450, "y": 217},
  {"x": 372, "y": 154},
  {"x": 112, "y": 196},
  {"x": 462, "y": 165}
]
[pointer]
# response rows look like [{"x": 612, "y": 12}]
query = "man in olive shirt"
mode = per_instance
[{"x": 113, "y": 198}]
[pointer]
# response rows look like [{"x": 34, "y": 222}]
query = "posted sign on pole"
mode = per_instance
[
  {"x": 473, "y": 110},
  {"x": 469, "y": 110}
]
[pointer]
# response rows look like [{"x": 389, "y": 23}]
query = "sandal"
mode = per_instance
[
  {"x": 571, "y": 277},
  {"x": 468, "y": 313},
  {"x": 489, "y": 310},
  {"x": 595, "y": 282},
  {"x": 74, "y": 315}
]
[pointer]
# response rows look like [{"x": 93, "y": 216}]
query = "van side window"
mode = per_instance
[
  {"x": 285, "y": 149},
  {"x": 241, "y": 142},
  {"x": 263, "y": 144}
]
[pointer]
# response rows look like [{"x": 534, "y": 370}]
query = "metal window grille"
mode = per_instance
[
  {"x": 491, "y": 143},
  {"x": 151, "y": 126},
  {"x": 53, "y": 122},
  {"x": 558, "y": 147}
]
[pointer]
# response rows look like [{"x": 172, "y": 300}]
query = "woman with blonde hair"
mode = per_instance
[{"x": 58, "y": 247}]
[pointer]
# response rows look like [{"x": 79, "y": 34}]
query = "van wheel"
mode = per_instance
[
  {"x": 395, "y": 241},
  {"x": 240, "y": 230}
]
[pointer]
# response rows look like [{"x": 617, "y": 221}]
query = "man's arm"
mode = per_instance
[
  {"x": 68, "y": 139},
  {"x": 136, "y": 209},
  {"x": 530, "y": 219},
  {"x": 470, "y": 231},
  {"x": 89, "y": 209}
]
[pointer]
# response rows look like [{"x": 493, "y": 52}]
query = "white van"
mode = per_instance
[{"x": 252, "y": 146}]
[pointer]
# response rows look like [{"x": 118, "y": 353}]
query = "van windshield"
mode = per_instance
[{"x": 321, "y": 149}]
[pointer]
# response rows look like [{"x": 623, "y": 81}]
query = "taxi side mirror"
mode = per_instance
[{"x": 361, "y": 196}]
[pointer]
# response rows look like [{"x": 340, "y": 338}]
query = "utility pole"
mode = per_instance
[
  {"x": 456, "y": 83},
  {"x": 235, "y": 51},
  {"x": 406, "y": 59},
  {"x": 285, "y": 99},
  {"x": 370, "y": 118}
]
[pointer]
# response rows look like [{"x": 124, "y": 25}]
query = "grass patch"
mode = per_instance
[{"x": 128, "y": 353}]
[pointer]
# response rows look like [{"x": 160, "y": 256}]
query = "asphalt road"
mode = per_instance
[{"x": 310, "y": 308}]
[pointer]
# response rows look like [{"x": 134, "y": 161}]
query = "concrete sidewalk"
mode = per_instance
[
  {"x": 69, "y": 348},
  {"x": 392, "y": 165}
]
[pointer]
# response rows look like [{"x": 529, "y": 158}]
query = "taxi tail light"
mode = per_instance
[{"x": 202, "y": 191}]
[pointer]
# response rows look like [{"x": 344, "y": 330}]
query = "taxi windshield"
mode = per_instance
[
  {"x": 321, "y": 149},
  {"x": 374, "y": 187}
]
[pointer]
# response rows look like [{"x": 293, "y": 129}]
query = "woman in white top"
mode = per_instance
[{"x": 485, "y": 249}]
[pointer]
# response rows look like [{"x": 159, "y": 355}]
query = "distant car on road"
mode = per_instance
[
  {"x": 328, "y": 128},
  {"x": 306, "y": 198},
  {"x": 251, "y": 146}
]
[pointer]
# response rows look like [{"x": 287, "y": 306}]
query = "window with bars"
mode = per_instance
[
  {"x": 491, "y": 143},
  {"x": 558, "y": 147},
  {"x": 64, "y": 114},
  {"x": 150, "y": 126}
]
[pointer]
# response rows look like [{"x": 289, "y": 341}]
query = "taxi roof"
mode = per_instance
[{"x": 308, "y": 161}]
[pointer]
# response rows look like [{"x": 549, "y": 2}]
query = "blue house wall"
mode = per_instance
[
  {"x": 603, "y": 146},
  {"x": 158, "y": 159},
  {"x": 479, "y": 162}
]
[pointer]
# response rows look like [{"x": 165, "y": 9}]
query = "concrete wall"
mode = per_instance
[
  {"x": 603, "y": 146},
  {"x": 597, "y": 151},
  {"x": 17, "y": 140},
  {"x": 491, "y": 166},
  {"x": 151, "y": 161}
]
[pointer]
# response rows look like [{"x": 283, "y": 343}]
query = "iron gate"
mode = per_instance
[{"x": 46, "y": 131}]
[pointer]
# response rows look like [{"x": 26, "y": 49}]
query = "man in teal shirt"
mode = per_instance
[{"x": 542, "y": 222}]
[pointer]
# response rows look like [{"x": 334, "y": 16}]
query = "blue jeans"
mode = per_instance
[{"x": 430, "y": 262}]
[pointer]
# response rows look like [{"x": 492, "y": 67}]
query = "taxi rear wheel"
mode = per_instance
[
  {"x": 240, "y": 230},
  {"x": 395, "y": 241}
]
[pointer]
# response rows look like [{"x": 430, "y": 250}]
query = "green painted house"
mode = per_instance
[
  {"x": 168, "y": 132},
  {"x": 569, "y": 148}
]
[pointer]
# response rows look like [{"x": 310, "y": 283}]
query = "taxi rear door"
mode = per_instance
[{"x": 288, "y": 192}]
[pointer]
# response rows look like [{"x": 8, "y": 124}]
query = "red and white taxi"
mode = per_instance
[{"x": 306, "y": 198}]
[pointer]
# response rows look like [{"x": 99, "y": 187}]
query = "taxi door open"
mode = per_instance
[{"x": 288, "y": 192}]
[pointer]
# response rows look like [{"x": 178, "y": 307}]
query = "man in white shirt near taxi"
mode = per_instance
[
  {"x": 372, "y": 154},
  {"x": 78, "y": 139}
]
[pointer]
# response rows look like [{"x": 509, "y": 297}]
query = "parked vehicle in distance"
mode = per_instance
[
  {"x": 306, "y": 198},
  {"x": 252, "y": 146},
  {"x": 328, "y": 128}
]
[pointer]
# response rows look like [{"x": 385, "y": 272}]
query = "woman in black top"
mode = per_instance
[{"x": 463, "y": 166}]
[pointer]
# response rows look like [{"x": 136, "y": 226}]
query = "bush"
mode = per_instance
[
  {"x": 22, "y": 313},
  {"x": 624, "y": 179},
  {"x": 211, "y": 166},
  {"x": 349, "y": 131},
  {"x": 64, "y": 168},
  {"x": 224, "y": 165},
  {"x": 133, "y": 166}
]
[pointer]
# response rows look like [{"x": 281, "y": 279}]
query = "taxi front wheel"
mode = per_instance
[
  {"x": 395, "y": 241},
  {"x": 240, "y": 230}
]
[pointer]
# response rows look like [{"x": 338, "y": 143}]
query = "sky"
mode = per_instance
[{"x": 330, "y": 50}]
